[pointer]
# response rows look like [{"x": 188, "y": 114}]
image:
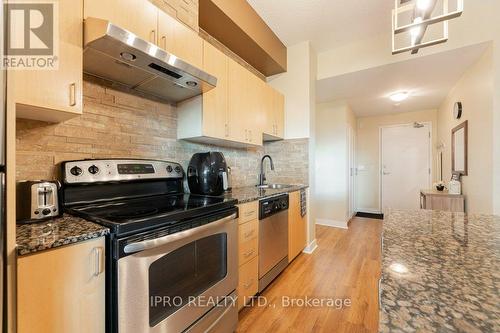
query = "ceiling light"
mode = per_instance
[
  {"x": 415, "y": 32},
  {"x": 399, "y": 96},
  {"x": 423, "y": 4}
]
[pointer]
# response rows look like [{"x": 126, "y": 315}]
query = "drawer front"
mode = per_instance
[
  {"x": 248, "y": 250},
  {"x": 248, "y": 284},
  {"x": 248, "y": 231},
  {"x": 249, "y": 211}
]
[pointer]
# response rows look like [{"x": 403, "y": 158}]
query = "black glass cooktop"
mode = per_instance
[{"x": 128, "y": 215}]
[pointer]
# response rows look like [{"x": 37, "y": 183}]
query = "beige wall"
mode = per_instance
[
  {"x": 475, "y": 91},
  {"x": 331, "y": 169},
  {"x": 367, "y": 153}
]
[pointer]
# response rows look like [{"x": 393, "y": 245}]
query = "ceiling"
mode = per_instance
[
  {"x": 326, "y": 23},
  {"x": 428, "y": 79}
]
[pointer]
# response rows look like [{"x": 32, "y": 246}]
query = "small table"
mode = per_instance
[{"x": 442, "y": 200}]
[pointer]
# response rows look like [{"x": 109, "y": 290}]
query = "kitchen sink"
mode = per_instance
[{"x": 274, "y": 186}]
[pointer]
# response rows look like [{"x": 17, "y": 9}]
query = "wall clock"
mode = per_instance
[{"x": 457, "y": 110}]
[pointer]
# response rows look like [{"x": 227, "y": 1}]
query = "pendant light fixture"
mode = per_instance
[{"x": 416, "y": 16}]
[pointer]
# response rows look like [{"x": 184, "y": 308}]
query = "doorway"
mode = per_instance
[{"x": 405, "y": 164}]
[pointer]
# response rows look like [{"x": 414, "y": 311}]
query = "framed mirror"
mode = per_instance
[{"x": 459, "y": 149}]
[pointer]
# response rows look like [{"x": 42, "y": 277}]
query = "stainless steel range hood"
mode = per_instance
[{"x": 115, "y": 54}]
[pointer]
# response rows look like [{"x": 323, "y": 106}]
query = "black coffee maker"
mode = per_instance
[{"x": 207, "y": 174}]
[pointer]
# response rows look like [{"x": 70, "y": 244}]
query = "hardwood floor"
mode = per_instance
[{"x": 346, "y": 265}]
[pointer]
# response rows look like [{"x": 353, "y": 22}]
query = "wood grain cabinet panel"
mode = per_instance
[
  {"x": 62, "y": 290},
  {"x": 248, "y": 211},
  {"x": 297, "y": 227},
  {"x": 55, "y": 95},
  {"x": 248, "y": 284},
  {"x": 137, "y": 16}
]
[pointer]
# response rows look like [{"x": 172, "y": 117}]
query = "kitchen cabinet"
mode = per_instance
[
  {"x": 55, "y": 95},
  {"x": 297, "y": 226},
  {"x": 63, "y": 289},
  {"x": 274, "y": 114},
  {"x": 137, "y": 16},
  {"x": 185, "y": 11},
  {"x": 176, "y": 38},
  {"x": 248, "y": 252}
]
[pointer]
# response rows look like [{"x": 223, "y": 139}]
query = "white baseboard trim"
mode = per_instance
[
  {"x": 311, "y": 247},
  {"x": 369, "y": 210},
  {"x": 332, "y": 223}
]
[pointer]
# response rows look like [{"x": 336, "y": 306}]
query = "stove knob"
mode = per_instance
[
  {"x": 283, "y": 205},
  {"x": 169, "y": 168},
  {"x": 93, "y": 169},
  {"x": 76, "y": 171},
  {"x": 178, "y": 169},
  {"x": 46, "y": 211}
]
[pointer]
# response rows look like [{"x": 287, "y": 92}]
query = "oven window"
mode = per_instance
[{"x": 185, "y": 272}]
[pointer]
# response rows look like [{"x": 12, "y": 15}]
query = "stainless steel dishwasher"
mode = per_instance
[{"x": 273, "y": 238}]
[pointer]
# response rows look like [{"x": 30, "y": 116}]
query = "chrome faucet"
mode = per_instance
[{"x": 262, "y": 176}]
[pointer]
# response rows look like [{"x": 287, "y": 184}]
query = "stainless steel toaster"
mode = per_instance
[{"x": 37, "y": 200}]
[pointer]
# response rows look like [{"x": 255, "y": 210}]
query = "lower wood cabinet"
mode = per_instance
[
  {"x": 297, "y": 227},
  {"x": 248, "y": 252},
  {"x": 62, "y": 290}
]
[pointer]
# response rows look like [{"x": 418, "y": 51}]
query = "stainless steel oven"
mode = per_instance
[{"x": 165, "y": 283}]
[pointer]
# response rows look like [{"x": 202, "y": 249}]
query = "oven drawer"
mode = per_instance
[
  {"x": 248, "y": 250},
  {"x": 248, "y": 231},
  {"x": 248, "y": 284},
  {"x": 248, "y": 212}
]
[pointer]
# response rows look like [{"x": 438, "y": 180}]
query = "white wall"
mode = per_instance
[
  {"x": 368, "y": 153},
  {"x": 297, "y": 84},
  {"x": 331, "y": 165},
  {"x": 476, "y": 92}
]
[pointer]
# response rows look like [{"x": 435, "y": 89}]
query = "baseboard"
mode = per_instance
[
  {"x": 332, "y": 223},
  {"x": 311, "y": 247}
]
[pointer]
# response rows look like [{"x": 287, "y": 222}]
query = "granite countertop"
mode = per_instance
[
  {"x": 252, "y": 193},
  {"x": 440, "y": 272},
  {"x": 64, "y": 230}
]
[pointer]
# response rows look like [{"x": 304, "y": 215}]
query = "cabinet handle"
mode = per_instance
[
  {"x": 99, "y": 267},
  {"x": 250, "y": 233},
  {"x": 249, "y": 253},
  {"x": 226, "y": 130},
  {"x": 249, "y": 284},
  {"x": 164, "y": 42},
  {"x": 250, "y": 135},
  {"x": 246, "y": 135},
  {"x": 72, "y": 94},
  {"x": 250, "y": 213},
  {"x": 152, "y": 36}
]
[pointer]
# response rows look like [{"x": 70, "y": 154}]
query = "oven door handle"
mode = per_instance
[{"x": 152, "y": 243}]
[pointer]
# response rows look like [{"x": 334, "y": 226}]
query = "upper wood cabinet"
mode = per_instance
[
  {"x": 274, "y": 114},
  {"x": 63, "y": 289},
  {"x": 297, "y": 227},
  {"x": 137, "y": 16},
  {"x": 215, "y": 112},
  {"x": 54, "y": 95},
  {"x": 179, "y": 40}
]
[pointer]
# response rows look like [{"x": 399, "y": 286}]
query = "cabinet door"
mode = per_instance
[
  {"x": 255, "y": 114},
  {"x": 179, "y": 40},
  {"x": 138, "y": 16},
  {"x": 238, "y": 102},
  {"x": 269, "y": 112},
  {"x": 279, "y": 114},
  {"x": 62, "y": 290},
  {"x": 297, "y": 227},
  {"x": 61, "y": 89},
  {"x": 215, "y": 118}
]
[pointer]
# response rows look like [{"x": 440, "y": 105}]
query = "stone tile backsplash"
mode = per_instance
[{"x": 115, "y": 124}]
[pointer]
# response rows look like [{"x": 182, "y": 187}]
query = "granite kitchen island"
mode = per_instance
[{"x": 440, "y": 272}]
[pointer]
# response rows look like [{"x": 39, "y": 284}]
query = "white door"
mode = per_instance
[{"x": 405, "y": 165}]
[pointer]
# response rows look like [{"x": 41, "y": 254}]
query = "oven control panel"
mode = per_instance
[{"x": 93, "y": 171}]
